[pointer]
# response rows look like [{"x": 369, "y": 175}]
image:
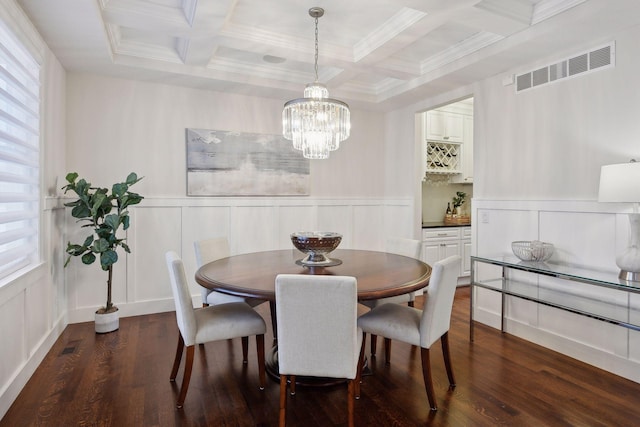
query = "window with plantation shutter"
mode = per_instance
[{"x": 19, "y": 155}]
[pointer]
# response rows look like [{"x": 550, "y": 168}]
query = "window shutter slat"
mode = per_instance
[
  {"x": 17, "y": 197},
  {"x": 19, "y": 154},
  {"x": 15, "y": 235},
  {"x": 14, "y": 141},
  {"x": 9, "y": 217},
  {"x": 16, "y": 158},
  {"x": 18, "y": 179}
]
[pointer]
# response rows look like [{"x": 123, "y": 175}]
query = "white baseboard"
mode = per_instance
[{"x": 87, "y": 314}]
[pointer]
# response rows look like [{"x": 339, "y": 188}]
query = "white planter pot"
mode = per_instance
[{"x": 107, "y": 322}]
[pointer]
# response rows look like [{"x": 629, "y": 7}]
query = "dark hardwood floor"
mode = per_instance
[{"x": 122, "y": 379}]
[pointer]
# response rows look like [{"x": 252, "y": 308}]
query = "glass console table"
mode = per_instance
[{"x": 618, "y": 310}]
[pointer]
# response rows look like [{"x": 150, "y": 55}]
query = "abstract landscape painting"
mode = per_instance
[{"x": 225, "y": 163}]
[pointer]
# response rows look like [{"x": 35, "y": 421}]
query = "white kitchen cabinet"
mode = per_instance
[
  {"x": 465, "y": 246},
  {"x": 441, "y": 242},
  {"x": 444, "y": 126},
  {"x": 466, "y": 155}
]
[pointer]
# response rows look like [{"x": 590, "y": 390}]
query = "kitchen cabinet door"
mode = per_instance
[
  {"x": 466, "y": 257},
  {"x": 443, "y": 126},
  {"x": 466, "y": 177},
  {"x": 437, "y": 250}
]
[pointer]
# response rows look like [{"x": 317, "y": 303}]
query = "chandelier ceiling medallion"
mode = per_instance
[{"x": 316, "y": 123}]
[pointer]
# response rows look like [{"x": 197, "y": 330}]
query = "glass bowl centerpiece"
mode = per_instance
[
  {"x": 534, "y": 250},
  {"x": 316, "y": 244}
]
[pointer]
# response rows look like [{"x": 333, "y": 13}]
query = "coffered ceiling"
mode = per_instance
[{"x": 377, "y": 54}]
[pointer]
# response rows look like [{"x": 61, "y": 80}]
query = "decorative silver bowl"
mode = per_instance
[
  {"x": 534, "y": 250},
  {"x": 316, "y": 244}
]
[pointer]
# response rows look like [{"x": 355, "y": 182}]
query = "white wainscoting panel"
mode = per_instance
[
  {"x": 337, "y": 217},
  {"x": 295, "y": 218},
  {"x": 368, "y": 228},
  {"x": 141, "y": 282},
  {"x": 586, "y": 239},
  {"x": 585, "y": 233},
  {"x": 14, "y": 335},
  {"x": 201, "y": 223},
  {"x": 153, "y": 232}
]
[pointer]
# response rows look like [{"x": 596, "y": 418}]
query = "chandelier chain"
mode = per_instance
[{"x": 316, "y": 46}]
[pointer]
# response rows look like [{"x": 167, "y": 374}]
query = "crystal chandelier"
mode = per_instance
[{"x": 316, "y": 123}]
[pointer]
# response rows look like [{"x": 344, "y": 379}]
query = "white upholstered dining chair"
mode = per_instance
[
  {"x": 318, "y": 335},
  {"x": 421, "y": 327},
  {"x": 411, "y": 248},
  {"x": 218, "y": 322},
  {"x": 213, "y": 249},
  {"x": 209, "y": 250}
]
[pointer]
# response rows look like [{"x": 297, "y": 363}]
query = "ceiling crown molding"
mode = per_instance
[
  {"x": 464, "y": 48},
  {"x": 548, "y": 8},
  {"x": 404, "y": 19}
]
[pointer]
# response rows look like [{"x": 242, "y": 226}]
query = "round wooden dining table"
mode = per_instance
[{"x": 379, "y": 274}]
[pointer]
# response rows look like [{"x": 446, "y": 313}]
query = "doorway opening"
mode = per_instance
[{"x": 447, "y": 159}]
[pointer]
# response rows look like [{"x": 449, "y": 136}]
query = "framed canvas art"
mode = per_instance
[{"x": 226, "y": 163}]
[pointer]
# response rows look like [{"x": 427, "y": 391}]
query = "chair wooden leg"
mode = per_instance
[
  {"x": 360, "y": 363},
  {"x": 292, "y": 385},
  {"x": 387, "y": 350},
  {"x": 261, "y": 369},
  {"x": 426, "y": 374},
  {"x": 178, "y": 358},
  {"x": 374, "y": 344},
  {"x": 351, "y": 402},
  {"x": 444, "y": 339},
  {"x": 245, "y": 349},
  {"x": 274, "y": 322},
  {"x": 283, "y": 401},
  {"x": 187, "y": 375}
]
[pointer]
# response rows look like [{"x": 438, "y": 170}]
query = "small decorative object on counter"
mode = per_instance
[
  {"x": 448, "y": 212},
  {"x": 534, "y": 250},
  {"x": 458, "y": 201},
  {"x": 454, "y": 216}
]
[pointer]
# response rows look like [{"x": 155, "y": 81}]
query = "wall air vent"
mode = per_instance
[{"x": 597, "y": 59}]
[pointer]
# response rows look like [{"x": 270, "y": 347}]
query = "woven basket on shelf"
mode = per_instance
[{"x": 457, "y": 220}]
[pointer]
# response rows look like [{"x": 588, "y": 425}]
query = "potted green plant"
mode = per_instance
[
  {"x": 458, "y": 201},
  {"x": 103, "y": 213}
]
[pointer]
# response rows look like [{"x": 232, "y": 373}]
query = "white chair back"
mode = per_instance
[
  {"x": 407, "y": 247},
  {"x": 209, "y": 250},
  {"x": 317, "y": 332},
  {"x": 182, "y": 297},
  {"x": 436, "y": 313}
]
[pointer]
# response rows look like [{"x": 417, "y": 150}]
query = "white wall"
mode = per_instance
[
  {"x": 116, "y": 126},
  {"x": 33, "y": 305},
  {"x": 537, "y": 159},
  {"x": 141, "y": 126},
  {"x": 548, "y": 143}
]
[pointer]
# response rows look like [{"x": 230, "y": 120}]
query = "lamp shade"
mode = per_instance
[{"x": 620, "y": 183}]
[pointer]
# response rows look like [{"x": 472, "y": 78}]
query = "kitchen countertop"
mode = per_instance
[{"x": 438, "y": 224}]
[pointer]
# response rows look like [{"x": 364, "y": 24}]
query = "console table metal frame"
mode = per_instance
[{"x": 514, "y": 288}]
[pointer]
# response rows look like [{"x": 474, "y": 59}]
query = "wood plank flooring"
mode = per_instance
[{"x": 122, "y": 379}]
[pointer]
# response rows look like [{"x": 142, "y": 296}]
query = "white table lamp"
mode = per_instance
[{"x": 621, "y": 183}]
